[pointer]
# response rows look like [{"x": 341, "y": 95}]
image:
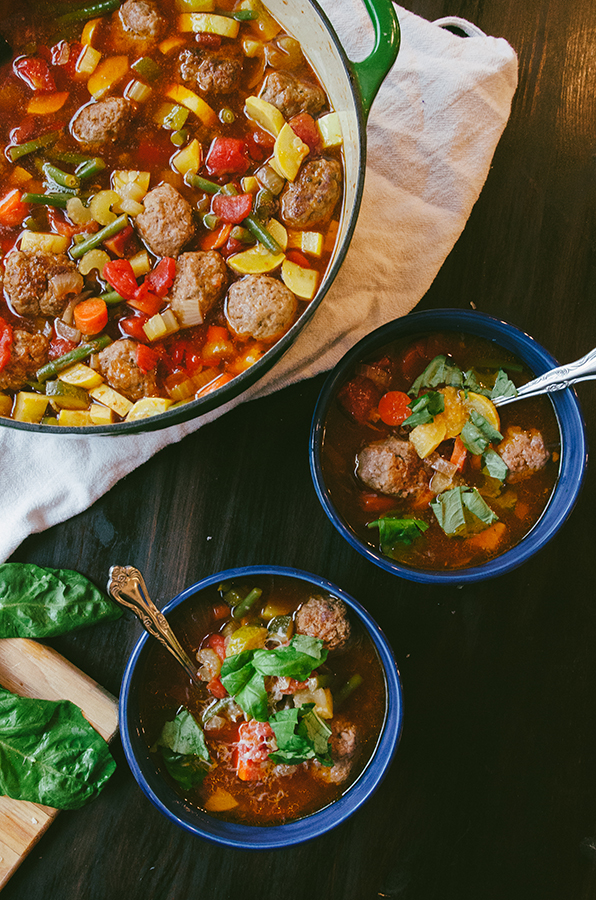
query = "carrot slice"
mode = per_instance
[
  {"x": 213, "y": 240},
  {"x": 91, "y": 315}
]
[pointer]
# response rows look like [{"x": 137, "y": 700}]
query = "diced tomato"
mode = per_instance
[
  {"x": 306, "y": 128},
  {"x": 232, "y": 209},
  {"x": 12, "y": 210},
  {"x": 286, "y": 685},
  {"x": 60, "y": 53},
  {"x": 231, "y": 246},
  {"x": 255, "y": 742},
  {"x": 24, "y": 131},
  {"x": 220, "y": 611},
  {"x": 120, "y": 275},
  {"x": 375, "y": 503},
  {"x": 5, "y": 343},
  {"x": 263, "y": 139},
  {"x": 60, "y": 346},
  {"x": 298, "y": 258},
  {"x": 394, "y": 407},
  {"x": 122, "y": 244},
  {"x": 259, "y": 145},
  {"x": 147, "y": 358},
  {"x": 205, "y": 39},
  {"x": 217, "y": 642},
  {"x": 59, "y": 224},
  {"x": 414, "y": 361},
  {"x": 227, "y": 156},
  {"x": 35, "y": 72},
  {"x": 69, "y": 67},
  {"x": 145, "y": 300},
  {"x": 216, "y": 688},
  {"x": 161, "y": 279},
  {"x": 154, "y": 151},
  {"x": 133, "y": 327},
  {"x": 359, "y": 397}
]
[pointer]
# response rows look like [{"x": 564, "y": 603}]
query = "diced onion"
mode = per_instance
[
  {"x": 66, "y": 331},
  {"x": 270, "y": 179},
  {"x": 66, "y": 283},
  {"x": 439, "y": 464},
  {"x": 440, "y": 482}
]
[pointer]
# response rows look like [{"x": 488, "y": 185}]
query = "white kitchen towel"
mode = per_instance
[{"x": 432, "y": 133}]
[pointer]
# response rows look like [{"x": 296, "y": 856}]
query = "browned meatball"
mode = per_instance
[
  {"x": 39, "y": 283},
  {"x": 392, "y": 467},
  {"x": 523, "y": 452},
  {"x": 166, "y": 224},
  {"x": 212, "y": 71},
  {"x": 260, "y": 307},
  {"x": 28, "y": 353},
  {"x": 344, "y": 748},
  {"x": 142, "y": 18},
  {"x": 118, "y": 365},
  {"x": 325, "y": 618},
  {"x": 201, "y": 279},
  {"x": 310, "y": 200},
  {"x": 101, "y": 122},
  {"x": 291, "y": 95}
]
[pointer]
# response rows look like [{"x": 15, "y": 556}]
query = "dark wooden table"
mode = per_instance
[{"x": 492, "y": 795}]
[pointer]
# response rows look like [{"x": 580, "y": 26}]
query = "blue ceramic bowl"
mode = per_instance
[
  {"x": 567, "y": 411},
  {"x": 246, "y": 837}
]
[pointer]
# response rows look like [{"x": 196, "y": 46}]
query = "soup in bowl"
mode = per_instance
[
  {"x": 294, "y": 722},
  {"x": 419, "y": 469}
]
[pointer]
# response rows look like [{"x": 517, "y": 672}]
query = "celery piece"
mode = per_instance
[{"x": 146, "y": 68}]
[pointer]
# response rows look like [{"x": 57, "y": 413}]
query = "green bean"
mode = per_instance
[
  {"x": 242, "y": 234},
  {"x": 64, "y": 179},
  {"x": 259, "y": 232},
  {"x": 245, "y": 15},
  {"x": 81, "y": 352},
  {"x": 99, "y": 237},
  {"x": 353, "y": 682},
  {"x": 211, "y": 221},
  {"x": 18, "y": 150},
  {"x": 111, "y": 298},
  {"x": 57, "y": 200},
  {"x": 69, "y": 157},
  {"x": 243, "y": 607},
  {"x": 88, "y": 12},
  {"x": 90, "y": 167},
  {"x": 203, "y": 184}
]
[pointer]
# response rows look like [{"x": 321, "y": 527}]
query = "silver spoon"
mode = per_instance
[
  {"x": 127, "y": 586},
  {"x": 558, "y": 379}
]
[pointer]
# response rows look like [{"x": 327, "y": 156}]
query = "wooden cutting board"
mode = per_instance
[{"x": 33, "y": 670}]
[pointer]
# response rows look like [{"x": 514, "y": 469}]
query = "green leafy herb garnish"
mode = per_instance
[
  {"x": 438, "y": 371},
  {"x": 425, "y": 408},
  {"x": 38, "y": 602},
  {"x": 184, "y": 750},
  {"x": 300, "y": 735},
  {"x": 478, "y": 433},
  {"x": 49, "y": 753},
  {"x": 494, "y": 465},
  {"x": 393, "y": 531},
  {"x": 503, "y": 386},
  {"x": 462, "y": 511}
]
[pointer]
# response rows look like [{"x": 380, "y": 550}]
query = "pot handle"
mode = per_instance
[{"x": 371, "y": 72}]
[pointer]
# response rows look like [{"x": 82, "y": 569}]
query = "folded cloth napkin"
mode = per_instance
[{"x": 432, "y": 133}]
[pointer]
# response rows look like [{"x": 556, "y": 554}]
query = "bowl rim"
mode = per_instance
[
  {"x": 566, "y": 408},
  {"x": 252, "y": 837}
]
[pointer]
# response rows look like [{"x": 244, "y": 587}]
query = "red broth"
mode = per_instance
[
  {"x": 176, "y": 101},
  {"x": 518, "y": 501},
  {"x": 265, "y": 794}
]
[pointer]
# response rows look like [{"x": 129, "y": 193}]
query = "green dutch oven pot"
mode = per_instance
[{"x": 352, "y": 87}]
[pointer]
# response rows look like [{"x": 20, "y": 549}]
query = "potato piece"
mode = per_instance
[
  {"x": 5, "y": 405},
  {"x": 188, "y": 159},
  {"x": 322, "y": 699},
  {"x": 101, "y": 415},
  {"x": 74, "y": 418},
  {"x": 46, "y": 243},
  {"x": 107, "y": 395},
  {"x": 330, "y": 130},
  {"x": 29, "y": 407},
  {"x": 148, "y": 406},
  {"x": 427, "y": 438},
  {"x": 219, "y": 801}
]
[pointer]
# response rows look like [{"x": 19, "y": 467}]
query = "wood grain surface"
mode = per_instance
[{"x": 492, "y": 794}]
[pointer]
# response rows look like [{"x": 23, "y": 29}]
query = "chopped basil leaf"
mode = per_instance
[
  {"x": 503, "y": 386},
  {"x": 300, "y": 735},
  {"x": 184, "y": 750},
  {"x": 472, "y": 383},
  {"x": 425, "y": 408},
  {"x": 236, "y": 671},
  {"x": 317, "y": 731},
  {"x": 393, "y": 531},
  {"x": 437, "y": 372},
  {"x": 252, "y": 699},
  {"x": 294, "y": 660},
  {"x": 478, "y": 433},
  {"x": 494, "y": 465},
  {"x": 462, "y": 511}
]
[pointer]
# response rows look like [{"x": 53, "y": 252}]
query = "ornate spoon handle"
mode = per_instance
[
  {"x": 127, "y": 586},
  {"x": 583, "y": 369}
]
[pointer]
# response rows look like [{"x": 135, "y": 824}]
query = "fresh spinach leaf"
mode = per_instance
[
  {"x": 39, "y": 602},
  {"x": 494, "y": 465},
  {"x": 472, "y": 383},
  {"x": 425, "y": 408},
  {"x": 478, "y": 433},
  {"x": 393, "y": 531},
  {"x": 316, "y": 730},
  {"x": 503, "y": 386},
  {"x": 462, "y": 511},
  {"x": 439, "y": 371},
  {"x": 252, "y": 699},
  {"x": 49, "y": 753},
  {"x": 292, "y": 661},
  {"x": 184, "y": 751},
  {"x": 236, "y": 671},
  {"x": 300, "y": 734}
]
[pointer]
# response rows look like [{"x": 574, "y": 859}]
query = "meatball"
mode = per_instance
[
  {"x": 201, "y": 279},
  {"x": 166, "y": 224},
  {"x": 101, "y": 122},
  {"x": 118, "y": 365},
  {"x": 392, "y": 467},
  {"x": 212, "y": 71},
  {"x": 39, "y": 283},
  {"x": 523, "y": 452},
  {"x": 260, "y": 307},
  {"x": 142, "y": 18},
  {"x": 291, "y": 95},
  {"x": 28, "y": 353},
  {"x": 344, "y": 748},
  {"x": 310, "y": 200},
  {"x": 325, "y": 618}
]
